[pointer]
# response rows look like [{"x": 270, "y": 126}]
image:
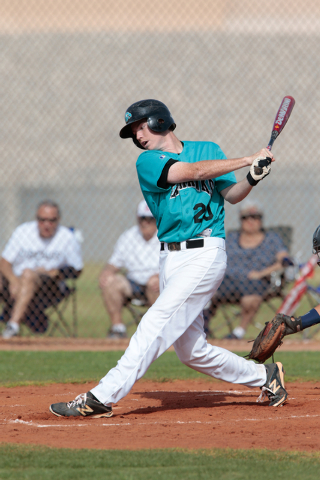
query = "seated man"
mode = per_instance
[
  {"x": 137, "y": 251},
  {"x": 37, "y": 258},
  {"x": 253, "y": 254}
]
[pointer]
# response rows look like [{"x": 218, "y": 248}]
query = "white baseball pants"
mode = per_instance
[{"x": 188, "y": 280}]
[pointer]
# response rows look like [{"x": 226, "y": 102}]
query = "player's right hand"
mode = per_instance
[{"x": 263, "y": 153}]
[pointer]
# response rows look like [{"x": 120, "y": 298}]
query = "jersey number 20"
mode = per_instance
[{"x": 201, "y": 215}]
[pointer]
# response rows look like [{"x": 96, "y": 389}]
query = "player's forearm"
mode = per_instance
[
  {"x": 210, "y": 169},
  {"x": 236, "y": 192},
  {"x": 205, "y": 169}
]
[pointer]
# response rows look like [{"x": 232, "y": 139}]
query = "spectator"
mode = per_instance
[
  {"x": 38, "y": 257},
  {"x": 253, "y": 254},
  {"x": 137, "y": 251}
]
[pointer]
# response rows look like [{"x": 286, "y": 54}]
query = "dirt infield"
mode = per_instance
[
  {"x": 188, "y": 414},
  {"x": 192, "y": 414}
]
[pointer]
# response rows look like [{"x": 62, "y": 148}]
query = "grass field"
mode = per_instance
[
  {"x": 24, "y": 462},
  {"x": 21, "y": 368}
]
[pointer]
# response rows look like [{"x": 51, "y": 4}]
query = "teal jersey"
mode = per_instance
[{"x": 184, "y": 210}]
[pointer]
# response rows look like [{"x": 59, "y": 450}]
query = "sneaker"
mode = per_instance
[
  {"x": 116, "y": 335},
  {"x": 9, "y": 331},
  {"x": 84, "y": 405},
  {"x": 231, "y": 336},
  {"x": 274, "y": 386}
]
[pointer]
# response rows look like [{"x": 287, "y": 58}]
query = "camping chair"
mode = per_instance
[
  {"x": 57, "y": 312},
  {"x": 53, "y": 315},
  {"x": 137, "y": 308},
  {"x": 230, "y": 309}
]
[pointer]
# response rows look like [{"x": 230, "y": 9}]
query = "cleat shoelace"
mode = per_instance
[
  {"x": 79, "y": 400},
  {"x": 265, "y": 392}
]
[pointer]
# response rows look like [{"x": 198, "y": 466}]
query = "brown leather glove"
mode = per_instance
[{"x": 270, "y": 338}]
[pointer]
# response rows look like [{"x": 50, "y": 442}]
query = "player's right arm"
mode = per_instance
[{"x": 210, "y": 169}]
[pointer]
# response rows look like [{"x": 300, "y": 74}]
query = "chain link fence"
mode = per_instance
[{"x": 69, "y": 69}]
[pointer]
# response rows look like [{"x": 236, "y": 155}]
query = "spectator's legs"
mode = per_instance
[
  {"x": 29, "y": 283},
  {"x": 152, "y": 289},
  {"x": 249, "y": 307},
  {"x": 115, "y": 289}
]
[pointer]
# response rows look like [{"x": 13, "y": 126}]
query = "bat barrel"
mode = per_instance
[{"x": 281, "y": 119}]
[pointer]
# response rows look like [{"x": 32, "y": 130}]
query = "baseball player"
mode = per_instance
[{"x": 185, "y": 185}]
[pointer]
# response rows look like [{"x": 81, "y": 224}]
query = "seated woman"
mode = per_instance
[{"x": 253, "y": 254}]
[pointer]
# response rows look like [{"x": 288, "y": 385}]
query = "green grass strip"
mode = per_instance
[
  {"x": 19, "y": 462},
  {"x": 23, "y": 368}
]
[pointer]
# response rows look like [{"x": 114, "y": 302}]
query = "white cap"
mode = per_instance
[
  {"x": 250, "y": 206},
  {"x": 143, "y": 210}
]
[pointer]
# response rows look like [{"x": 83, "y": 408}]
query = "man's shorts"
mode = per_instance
[
  {"x": 50, "y": 293},
  {"x": 138, "y": 291}
]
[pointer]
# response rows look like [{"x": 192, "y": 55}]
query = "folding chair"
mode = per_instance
[
  {"x": 137, "y": 308},
  {"x": 57, "y": 311}
]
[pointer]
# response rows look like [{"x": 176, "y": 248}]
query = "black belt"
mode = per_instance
[{"x": 199, "y": 243}]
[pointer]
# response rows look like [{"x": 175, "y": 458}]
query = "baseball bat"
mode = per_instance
[{"x": 281, "y": 119}]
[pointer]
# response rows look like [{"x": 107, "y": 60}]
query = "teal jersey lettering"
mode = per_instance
[{"x": 184, "y": 210}]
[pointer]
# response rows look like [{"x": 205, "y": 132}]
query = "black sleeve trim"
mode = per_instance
[{"x": 162, "y": 182}]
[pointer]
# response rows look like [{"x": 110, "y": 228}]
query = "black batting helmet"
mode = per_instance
[
  {"x": 316, "y": 243},
  {"x": 156, "y": 113}
]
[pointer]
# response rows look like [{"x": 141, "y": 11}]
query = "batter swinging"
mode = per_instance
[{"x": 185, "y": 185}]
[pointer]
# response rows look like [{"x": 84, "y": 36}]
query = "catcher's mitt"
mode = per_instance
[{"x": 270, "y": 338}]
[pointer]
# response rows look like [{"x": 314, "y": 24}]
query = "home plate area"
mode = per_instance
[{"x": 179, "y": 414}]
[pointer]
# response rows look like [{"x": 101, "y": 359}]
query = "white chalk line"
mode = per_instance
[
  {"x": 212, "y": 392},
  {"x": 178, "y": 422}
]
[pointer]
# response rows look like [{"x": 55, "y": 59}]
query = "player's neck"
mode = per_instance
[{"x": 172, "y": 144}]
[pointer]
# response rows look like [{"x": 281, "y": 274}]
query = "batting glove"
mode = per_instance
[{"x": 259, "y": 169}]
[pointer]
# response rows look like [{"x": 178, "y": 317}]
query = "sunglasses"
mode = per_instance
[
  {"x": 254, "y": 216},
  {"x": 50, "y": 220}
]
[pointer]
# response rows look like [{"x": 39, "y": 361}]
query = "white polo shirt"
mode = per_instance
[
  {"x": 139, "y": 257},
  {"x": 26, "y": 249}
]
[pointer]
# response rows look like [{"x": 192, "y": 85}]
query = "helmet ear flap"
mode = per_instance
[{"x": 160, "y": 123}]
